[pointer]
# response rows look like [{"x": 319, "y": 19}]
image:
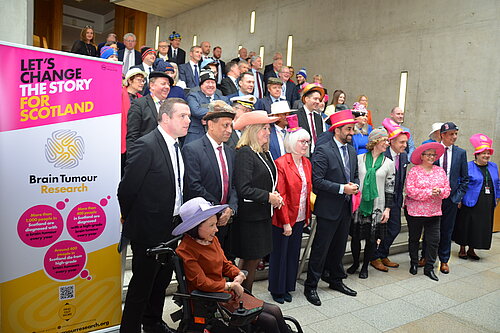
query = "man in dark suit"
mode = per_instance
[
  {"x": 190, "y": 71},
  {"x": 229, "y": 84},
  {"x": 272, "y": 69},
  {"x": 221, "y": 65},
  {"x": 242, "y": 55},
  {"x": 150, "y": 196},
  {"x": 289, "y": 90},
  {"x": 209, "y": 166},
  {"x": 398, "y": 140},
  {"x": 175, "y": 53},
  {"x": 198, "y": 103},
  {"x": 260, "y": 87},
  {"x": 110, "y": 38},
  {"x": 128, "y": 55},
  {"x": 335, "y": 179},
  {"x": 241, "y": 105},
  {"x": 309, "y": 118},
  {"x": 143, "y": 113},
  {"x": 273, "y": 95},
  {"x": 454, "y": 163},
  {"x": 245, "y": 83}
]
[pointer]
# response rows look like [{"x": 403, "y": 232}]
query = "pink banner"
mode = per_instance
[{"x": 46, "y": 88}]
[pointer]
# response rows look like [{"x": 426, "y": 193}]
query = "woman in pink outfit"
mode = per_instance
[{"x": 426, "y": 186}]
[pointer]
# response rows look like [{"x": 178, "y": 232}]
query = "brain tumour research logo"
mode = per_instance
[{"x": 64, "y": 149}]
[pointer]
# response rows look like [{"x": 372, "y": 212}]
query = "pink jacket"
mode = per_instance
[{"x": 419, "y": 200}]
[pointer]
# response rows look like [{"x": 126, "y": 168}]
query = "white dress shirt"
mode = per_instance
[
  {"x": 173, "y": 157},
  {"x": 215, "y": 147},
  {"x": 441, "y": 159}
]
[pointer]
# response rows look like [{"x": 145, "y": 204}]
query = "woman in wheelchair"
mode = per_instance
[{"x": 205, "y": 265}]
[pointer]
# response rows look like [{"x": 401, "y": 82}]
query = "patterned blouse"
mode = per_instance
[{"x": 419, "y": 200}]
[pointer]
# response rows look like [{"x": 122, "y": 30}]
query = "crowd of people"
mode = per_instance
[{"x": 255, "y": 151}]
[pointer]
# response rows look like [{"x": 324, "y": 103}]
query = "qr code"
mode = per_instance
[{"x": 66, "y": 292}]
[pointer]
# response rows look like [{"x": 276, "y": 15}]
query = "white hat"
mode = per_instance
[
  {"x": 131, "y": 72},
  {"x": 280, "y": 107},
  {"x": 436, "y": 127}
]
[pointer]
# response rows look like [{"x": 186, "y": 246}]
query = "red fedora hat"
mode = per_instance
[{"x": 341, "y": 118}]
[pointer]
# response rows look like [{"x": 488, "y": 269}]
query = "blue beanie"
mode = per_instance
[
  {"x": 108, "y": 51},
  {"x": 302, "y": 72}
]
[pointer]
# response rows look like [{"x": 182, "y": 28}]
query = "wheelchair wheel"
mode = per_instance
[{"x": 293, "y": 324}]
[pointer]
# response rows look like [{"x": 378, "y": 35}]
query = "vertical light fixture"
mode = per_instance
[
  {"x": 289, "y": 51},
  {"x": 195, "y": 40},
  {"x": 157, "y": 37},
  {"x": 261, "y": 53},
  {"x": 252, "y": 22},
  {"x": 402, "y": 89}
]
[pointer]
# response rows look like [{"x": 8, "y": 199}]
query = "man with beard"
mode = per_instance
[
  {"x": 209, "y": 166},
  {"x": 335, "y": 180}
]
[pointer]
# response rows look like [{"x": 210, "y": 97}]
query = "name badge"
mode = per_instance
[{"x": 487, "y": 190}]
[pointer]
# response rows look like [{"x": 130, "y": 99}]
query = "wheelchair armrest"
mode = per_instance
[{"x": 215, "y": 297}]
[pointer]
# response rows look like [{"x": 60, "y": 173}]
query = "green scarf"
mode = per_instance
[{"x": 370, "y": 191}]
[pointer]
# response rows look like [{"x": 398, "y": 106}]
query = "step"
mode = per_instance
[{"x": 400, "y": 245}]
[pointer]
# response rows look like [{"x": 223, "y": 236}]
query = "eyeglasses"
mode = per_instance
[
  {"x": 304, "y": 142},
  {"x": 88, "y": 27},
  {"x": 429, "y": 155}
]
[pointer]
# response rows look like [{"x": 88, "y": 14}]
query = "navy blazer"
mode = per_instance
[
  {"x": 138, "y": 58},
  {"x": 459, "y": 174},
  {"x": 274, "y": 145},
  {"x": 198, "y": 103},
  {"x": 400, "y": 177},
  {"x": 291, "y": 93},
  {"x": 327, "y": 175},
  {"x": 265, "y": 103},
  {"x": 227, "y": 86},
  {"x": 186, "y": 74},
  {"x": 202, "y": 177},
  {"x": 147, "y": 191},
  {"x": 142, "y": 118}
]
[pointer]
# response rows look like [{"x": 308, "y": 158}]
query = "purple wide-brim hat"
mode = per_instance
[
  {"x": 416, "y": 156},
  {"x": 194, "y": 212}
]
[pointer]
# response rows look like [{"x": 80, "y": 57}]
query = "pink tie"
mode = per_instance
[{"x": 225, "y": 177}]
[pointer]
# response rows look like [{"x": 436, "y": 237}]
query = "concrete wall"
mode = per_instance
[
  {"x": 450, "y": 49},
  {"x": 16, "y": 25}
]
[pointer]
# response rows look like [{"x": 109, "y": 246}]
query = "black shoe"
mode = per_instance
[
  {"x": 431, "y": 275},
  {"x": 353, "y": 268},
  {"x": 306, "y": 230},
  {"x": 278, "y": 298},
  {"x": 312, "y": 296},
  {"x": 160, "y": 327},
  {"x": 413, "y": 269},
  {"x": 287, "y": 297},
  {"x": 341, "y": 287},
  {"x": 363, "y": 274}
]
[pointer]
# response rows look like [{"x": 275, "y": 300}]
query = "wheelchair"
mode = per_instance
[{"x": 208, "y": 312}]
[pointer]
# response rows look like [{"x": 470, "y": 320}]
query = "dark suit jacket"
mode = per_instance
[
  {"x": 202, "y": 174},
  {"x": 147, "y": 191},
  {"x": 186, "y": 74},
  {"x": 261, "y": 77},
  {"x": 181, "y": 56},
  {"x": 221, "y": 67},
  {"x": 120, "y": 45},
  {"x": 274, "y": 145},
  {"x": 198, "y": 103},
  {"x": 459, "y": 174},
  {"x": 264, "y": 104},
  {"x": 327, "y": 176},
  {"x": 227, "y": 86},
  {"x": 269, "y": 72},
  {"x": 233, "y": 139},
  {"x": 318, "y": 125},
  {"x": 400, "y": 178},
  {"x": 253, "y": 184},
  {"x": 291, "y": 93},
  {"x": 142, "y": 119},
  {"x": 138, "y": 58}
]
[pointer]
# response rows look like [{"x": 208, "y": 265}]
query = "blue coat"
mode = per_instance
[
  {"x": 186, "y": 74},
  {"x": 198, "y": 103},
  {"x": 459, "y": 176},
  {"x": 476, "y": 183},
  {"x": 359, "y": 141}
]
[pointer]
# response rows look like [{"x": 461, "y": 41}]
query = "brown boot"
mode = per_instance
[
  {"x": 387, "y": 262},
  {"x": 377, "y": 264},
  {"x": 445, "y": 269},
  {"x": 421, "y": 262}
]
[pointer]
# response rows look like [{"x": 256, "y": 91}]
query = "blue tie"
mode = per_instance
[
  {"x": 346, "y": 163},
  {"x": 196, "y": 76}
]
